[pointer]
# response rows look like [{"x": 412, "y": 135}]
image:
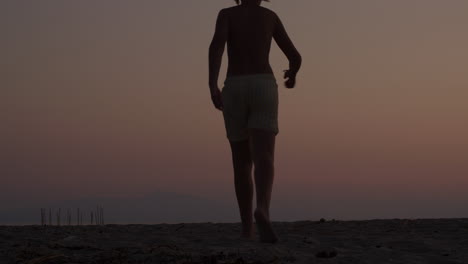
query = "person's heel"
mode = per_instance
[{"x": 265, "y": 230}]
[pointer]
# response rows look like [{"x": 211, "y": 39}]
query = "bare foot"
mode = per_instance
[
  {"x": 265, "y": 230},
  {"x": 247, "y": 236},
  {"x": 248, "y": 231}
]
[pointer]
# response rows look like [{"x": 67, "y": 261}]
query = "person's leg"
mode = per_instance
[
  {"x": 242, "y": 163},
  {"x": 262, "y": 143}
]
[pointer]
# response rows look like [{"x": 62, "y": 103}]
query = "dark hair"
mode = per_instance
[{"x": 238, "y": 1}]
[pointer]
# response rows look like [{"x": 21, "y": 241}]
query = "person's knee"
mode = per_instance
[
  {"x": 243, "y": 167},
  {"x": 242, "y": 164},
  {"x": 265, "y": 160},
  {"x": 242, "y": 160}
]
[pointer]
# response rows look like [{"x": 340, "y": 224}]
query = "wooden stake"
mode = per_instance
[{"x": 97, "y": 216}]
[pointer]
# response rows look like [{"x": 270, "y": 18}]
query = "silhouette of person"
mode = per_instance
[{"x": 249, "y": 102}]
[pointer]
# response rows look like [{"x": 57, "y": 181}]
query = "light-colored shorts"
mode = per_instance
[{"x": 250, "y": 101}]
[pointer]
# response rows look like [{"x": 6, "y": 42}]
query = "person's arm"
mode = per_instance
[
  {"x": 285, "y": 44},
  {"x": 215, "y": 57}
]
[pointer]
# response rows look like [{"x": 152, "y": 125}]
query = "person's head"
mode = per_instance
[{"x": 252, "y": 1}]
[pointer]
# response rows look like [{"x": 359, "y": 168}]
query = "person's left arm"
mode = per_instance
[{"x": 215, "y": 57}]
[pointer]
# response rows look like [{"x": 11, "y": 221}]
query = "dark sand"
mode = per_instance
[{"x": 425, "y": 241}]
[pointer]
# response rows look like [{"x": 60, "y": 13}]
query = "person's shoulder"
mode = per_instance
[
  {"x": 228, "y": 9},
  {"x": 268, "y": 11},
  {"x": 270, "y": 15},
  {"x": 226, "y": 12}
]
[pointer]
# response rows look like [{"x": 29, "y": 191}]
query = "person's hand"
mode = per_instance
[
  {"x": 291, "y": 79},
  {"x": 216, "y": 98}
]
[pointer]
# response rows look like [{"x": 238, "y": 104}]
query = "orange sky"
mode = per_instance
[{"x": 111, "y": 98}]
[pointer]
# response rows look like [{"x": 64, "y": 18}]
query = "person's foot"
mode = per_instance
[
  {"x": 265, "y": 230},
  {"x": 248, "y": 231},
  {"x": 247, "y": 236}
]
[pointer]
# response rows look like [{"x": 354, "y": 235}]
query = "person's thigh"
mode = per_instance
[
  {"x": 241, "y": 156},
  {"x": 263, "y": 104},
  {"x": 262, "y": 144}
]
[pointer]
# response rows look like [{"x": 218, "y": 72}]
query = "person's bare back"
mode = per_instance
[{"x": 248, "y": 30}]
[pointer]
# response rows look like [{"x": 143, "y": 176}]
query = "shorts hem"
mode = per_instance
[
  {"x": 237, "y": 139},
  {"x": 274, "y": 131}
]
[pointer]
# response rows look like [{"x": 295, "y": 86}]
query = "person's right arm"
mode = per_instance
[
  {"x": 285, "y": 44},
  {"x": 215, "y": 57}
]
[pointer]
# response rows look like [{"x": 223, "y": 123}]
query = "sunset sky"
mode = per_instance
[{"x": 110, "y": 99}]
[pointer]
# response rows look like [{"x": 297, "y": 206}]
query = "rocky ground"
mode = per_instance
[{"x": 425, "y": 241}]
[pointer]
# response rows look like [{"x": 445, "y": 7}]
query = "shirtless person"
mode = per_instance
[{"x": 249, "y": 102}]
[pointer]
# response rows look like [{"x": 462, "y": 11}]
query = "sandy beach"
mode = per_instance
[{"x": 409, "y": 241}]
